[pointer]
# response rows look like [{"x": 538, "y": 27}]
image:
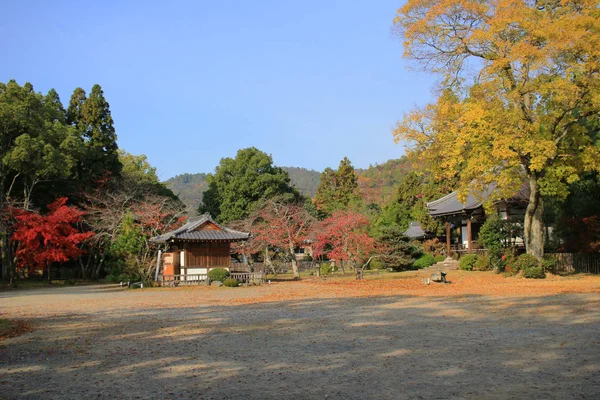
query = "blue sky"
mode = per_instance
[{"x": 190, "y": 82}]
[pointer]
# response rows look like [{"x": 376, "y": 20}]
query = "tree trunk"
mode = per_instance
[
  {"x": 268, "y": 262},
  {"x": 8, "y": 262},
  {"x": 534, "y": 223},
  {"x": 96, "y": 274},
  {"x": 294, "y": 263}
]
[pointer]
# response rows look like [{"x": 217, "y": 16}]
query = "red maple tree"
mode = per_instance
[
  {"x": 283, "y": 225},
  {"x": 50, "y": 238},
  {"x": 343, "y": 237}
]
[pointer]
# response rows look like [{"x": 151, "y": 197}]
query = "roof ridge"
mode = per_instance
[{"x": 434, "y": 202}]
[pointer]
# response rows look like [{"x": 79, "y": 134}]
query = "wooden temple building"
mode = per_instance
[
  {"x": 195, "y": 248},
  {"x": 464, "y": 219}
]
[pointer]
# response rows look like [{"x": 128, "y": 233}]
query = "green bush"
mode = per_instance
[
  {"x": 549, "y": 263},
  {"x": 525, "y": 261},
  {"x": 230, "y": 282},
  {"x": 218, "y": 274},
  {"x": 438, "y": 259},
  {"x": 492, "y": 235},
  {"x": 534, "y": 272},
  {"x": 377, "y": 264},
  {"x": 326, "y": 268},
  {"x": 426, "y": 260},
  {"x": 507, "y": 259},
  {"x": 467, "y": 262},
  {"x": 124, "y": 278},
  {"x": 482, "y": 264}
]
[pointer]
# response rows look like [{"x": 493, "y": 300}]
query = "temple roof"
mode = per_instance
[
  {"x": 415, "y": 231},
  {"x": 193, "y": 231},
  {"x": 450, "y": 204}
]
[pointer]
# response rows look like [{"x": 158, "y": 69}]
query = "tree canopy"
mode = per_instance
[
  {"x": 521, "y": 98},
  {"x": 48, "y": 154},
  {"x": 239, "y": 183}
]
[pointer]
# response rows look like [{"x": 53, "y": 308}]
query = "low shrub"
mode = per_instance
[
  {"x": 426, "y": 260},
  {"x": 507, "y": 259},
  {"x": 439, "y": 258},
  {"x": 467, "y": 262},
  {"x": 534, "y": 272},
  {"x": 482, "y": 264},
  {"x": 230, "y": 282},
  {"x": 125, "y": 278},
  {"x": 525, "y": 261},
  {"x": 218, "y": 274},
  {"x": 326, "y": 268},
  {"x": 549, "y": 263}
]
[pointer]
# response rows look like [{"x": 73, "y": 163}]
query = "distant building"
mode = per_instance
[
  {"x": 197, "y": 247},
  {"x": 465, "y": 219},
  {"x": 415, "y": 231}
]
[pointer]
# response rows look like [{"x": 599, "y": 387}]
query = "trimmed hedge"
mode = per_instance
[
  {"x": 534, "y": 272},
  {"x": 218, "y": 274},
  {"x": 525, "y": 261},
  {"x": 230, "y": 282},
  {"x": 467, "y": 262},
  {"x": 426, "y": 260},
  {"x": 438, "y": 259},
  {"x": 482, "y": 264}
]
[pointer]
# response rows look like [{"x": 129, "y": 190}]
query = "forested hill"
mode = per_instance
[
  {"x": 305, "y": 180},
  {"x": 377, "y": 182},
  {"x": 189, "y": 189}
]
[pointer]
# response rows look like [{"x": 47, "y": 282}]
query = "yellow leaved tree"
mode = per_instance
[{"x": 520, "y": 99}]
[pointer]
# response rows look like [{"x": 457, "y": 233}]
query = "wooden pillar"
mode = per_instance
[
  {"x": 447, "y": 239},
  {"x": 469, "y": 234}
]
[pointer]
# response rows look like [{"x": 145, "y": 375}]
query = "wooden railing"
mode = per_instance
[
  {"x": 248, "y": 277},
  {"x": 176, "y": 280},
  {"x": 197, "y": 279}
]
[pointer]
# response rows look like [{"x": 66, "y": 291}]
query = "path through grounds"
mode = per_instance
[{"x": 482, "y": 337}]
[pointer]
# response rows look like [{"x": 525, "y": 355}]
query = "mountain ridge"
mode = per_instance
[{"x": 377, "y": 182}]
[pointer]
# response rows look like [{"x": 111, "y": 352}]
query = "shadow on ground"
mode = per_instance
[{"x": 352, "y": 348}]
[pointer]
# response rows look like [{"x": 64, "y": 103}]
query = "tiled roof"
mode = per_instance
[
  {"x": 415, "y": 231},
  {"x": 450, "y": 204},
  {"x": 213, "y": 235},
  {"x": 188, "y": 232}
]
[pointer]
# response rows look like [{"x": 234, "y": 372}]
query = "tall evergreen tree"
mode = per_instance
[
  {"x": 338, "y": 189},
  {"x": 92, "y": 117},
  {"x": 347, "y": 184}
]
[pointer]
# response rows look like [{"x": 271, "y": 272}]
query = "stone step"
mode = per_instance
[{"x": 449, "y": 264}]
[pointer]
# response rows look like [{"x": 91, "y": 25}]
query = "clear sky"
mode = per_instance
[{"x": 190, "y": 82}]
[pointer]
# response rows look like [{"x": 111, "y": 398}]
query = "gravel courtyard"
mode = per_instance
[{"x": 482, "y": 337}]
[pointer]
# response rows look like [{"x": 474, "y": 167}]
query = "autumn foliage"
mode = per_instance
[
  {"x": 283, "y": 225},
  {"x": 50, "y": 238},
  {"x": 522, "y": 82},
  {"x": 343, "y": 237}
]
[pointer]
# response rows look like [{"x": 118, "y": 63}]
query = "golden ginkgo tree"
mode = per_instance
[{"x": 520, "y": 98}]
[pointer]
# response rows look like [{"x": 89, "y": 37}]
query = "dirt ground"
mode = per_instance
[{"x": 387, "y": 337}]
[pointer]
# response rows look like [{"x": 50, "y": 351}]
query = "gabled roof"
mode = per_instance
[
  {"x": 415, "y": 231},
  {"x": 192, "y": 231},
  {"x": 450, "y": 204}
]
